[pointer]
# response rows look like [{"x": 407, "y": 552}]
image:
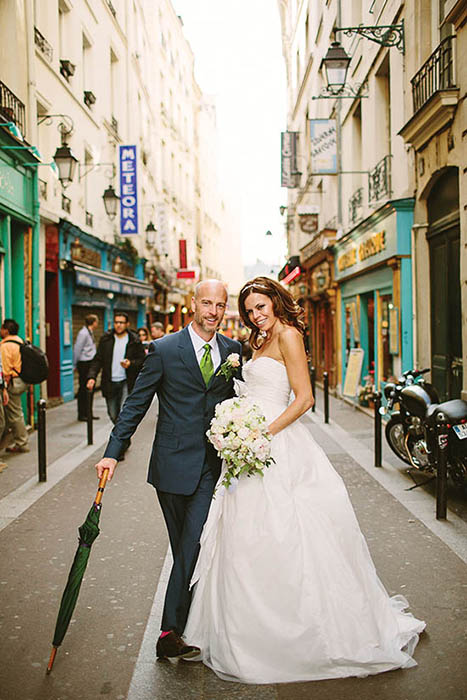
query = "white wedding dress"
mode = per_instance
[{"x": 286, "y": 589}]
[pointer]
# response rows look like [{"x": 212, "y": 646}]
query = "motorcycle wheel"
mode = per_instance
[
  {"x": 458, "y": 470},
  {"x": 395, "y": 436}
]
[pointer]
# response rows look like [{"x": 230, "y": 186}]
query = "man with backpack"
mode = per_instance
[{"x": 10, "y": 347}]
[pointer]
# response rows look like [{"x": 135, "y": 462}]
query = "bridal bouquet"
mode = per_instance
[{"x": 239, "y": 433}]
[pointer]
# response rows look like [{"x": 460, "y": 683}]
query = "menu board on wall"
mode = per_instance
[{"x": 354, "y": 371}]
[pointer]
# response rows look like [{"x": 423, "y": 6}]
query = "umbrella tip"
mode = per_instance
[{"x": 51, "y": 660}]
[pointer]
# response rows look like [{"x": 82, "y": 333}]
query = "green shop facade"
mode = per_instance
[
  {"x": 373, "y": 270},
  {"x": 19, "y": 238},
  {"x": 83, "y": 275}
]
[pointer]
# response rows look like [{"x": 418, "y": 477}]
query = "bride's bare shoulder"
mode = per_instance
[{"x": 289, "y": 334}]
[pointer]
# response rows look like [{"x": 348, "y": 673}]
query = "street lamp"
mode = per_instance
[
  {"x": 336, "y": 64},
  {"x": 66, "y": 164},
  {"x": 111, "y": 200},
  {"x": 150, "y": 233}
]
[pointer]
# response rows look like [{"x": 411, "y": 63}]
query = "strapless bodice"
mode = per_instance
[{"x": 267, "y": 382}]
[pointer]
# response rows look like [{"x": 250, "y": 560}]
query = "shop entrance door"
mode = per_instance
[
  {"x": 446, "y": 339},
  {"x": 446, "y": 319}
]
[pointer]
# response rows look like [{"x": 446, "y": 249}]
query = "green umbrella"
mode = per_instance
[{"x": 88, "y": 532}]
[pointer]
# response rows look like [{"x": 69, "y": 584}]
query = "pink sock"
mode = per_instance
[{"x": 164, "y": 634}]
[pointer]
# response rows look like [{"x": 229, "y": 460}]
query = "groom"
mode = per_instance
[{"x": 184, "y": 467}]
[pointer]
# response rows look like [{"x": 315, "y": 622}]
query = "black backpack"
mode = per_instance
[{"x": 34, "y": 363}]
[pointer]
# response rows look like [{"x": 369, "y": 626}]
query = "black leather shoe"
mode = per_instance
[{"x": 172, "y": 646}]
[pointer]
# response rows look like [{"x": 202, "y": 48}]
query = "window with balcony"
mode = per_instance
[
  {"x": 89, "y": 97},
  {"x": 434, "y": 95},
  {"x": 11, "y": 108},
  {"x": 114, "y": 91}
]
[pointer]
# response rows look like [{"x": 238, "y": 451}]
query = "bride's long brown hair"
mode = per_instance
[{"x": 284, "y": 306}]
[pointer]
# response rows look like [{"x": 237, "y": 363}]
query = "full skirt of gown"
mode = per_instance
[{"x": 285, "y": 588}]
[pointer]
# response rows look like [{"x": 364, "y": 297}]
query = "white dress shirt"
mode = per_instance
[
  {"x": 199, "y": 343},
  {"x": 85, "y": 346}
]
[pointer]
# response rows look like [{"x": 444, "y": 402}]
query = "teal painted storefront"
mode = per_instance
[
  {"x": 93, "y": 289},
  {"x": 374, "y": 271},
  {"x": 19, "y": 236}
]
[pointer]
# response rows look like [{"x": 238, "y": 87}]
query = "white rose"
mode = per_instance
[{"x": 233, "y": 359}]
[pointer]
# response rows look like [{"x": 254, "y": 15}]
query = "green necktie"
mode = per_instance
[{"x": 206, "y": 366}]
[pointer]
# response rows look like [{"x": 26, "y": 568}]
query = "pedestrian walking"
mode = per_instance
[
  {"x": 120, "y": 356},
  {"x": 12, "y": 366},
  {"x": 83, "y": 352},
  {"x": 143, "y": 335},
  {"x": 157, "y": 330}
]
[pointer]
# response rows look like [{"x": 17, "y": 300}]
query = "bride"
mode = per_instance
[{"x": 286, "y": 589}]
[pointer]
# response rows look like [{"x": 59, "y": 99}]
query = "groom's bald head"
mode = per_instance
[
  {"x": 210, "y": 286},
  {"x": 208, "y": 305}
]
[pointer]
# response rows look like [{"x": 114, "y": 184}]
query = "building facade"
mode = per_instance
[
  {"x": 350, "y": 203},
  {"x": 434, "y": 130},
  {"x": 112, "y": 83}
]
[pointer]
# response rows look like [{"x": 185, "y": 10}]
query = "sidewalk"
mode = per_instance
[
  {"x": 63, "y": 433},
  {"x": 359, "y": 423},
  {"x": 109, "y": 648}
]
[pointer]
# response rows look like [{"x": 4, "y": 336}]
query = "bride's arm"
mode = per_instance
[{"x": 293, "y": 353}]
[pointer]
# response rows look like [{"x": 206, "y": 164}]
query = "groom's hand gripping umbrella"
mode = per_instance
[{"x": 88, "y": 532}]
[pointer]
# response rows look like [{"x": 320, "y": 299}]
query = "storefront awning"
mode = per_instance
[{"x": 110, "y": 282}]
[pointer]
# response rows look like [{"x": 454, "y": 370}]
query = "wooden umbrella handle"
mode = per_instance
[{"x": 101, "y": 487}]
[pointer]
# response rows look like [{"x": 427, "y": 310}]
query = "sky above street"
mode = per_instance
[{"x": 238, "y": 59}]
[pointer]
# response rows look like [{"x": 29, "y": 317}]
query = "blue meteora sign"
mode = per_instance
[{"x": 128, "y": 191}]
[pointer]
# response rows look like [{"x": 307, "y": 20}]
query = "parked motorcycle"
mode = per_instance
[{"x": 411, "y": 431}]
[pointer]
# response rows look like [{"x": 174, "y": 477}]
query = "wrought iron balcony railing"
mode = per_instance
[
  {"x": 379, "y": 181},
  {"x": 11, "y": 108},
  {"x": 437, "y": 73},
  {"x": 43, "y": 45},
  {"x": 355, "y": 205}
]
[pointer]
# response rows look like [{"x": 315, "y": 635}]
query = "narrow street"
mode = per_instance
[{"x": 109, "y": 647}]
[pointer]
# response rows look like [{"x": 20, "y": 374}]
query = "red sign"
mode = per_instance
[
  {"x": 182, "y": 253},
  {"x": 186, "y": 274},
  {"x": 296, "y": 272}
]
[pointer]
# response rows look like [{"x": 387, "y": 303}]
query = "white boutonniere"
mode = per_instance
[{"x": 228, "y": 367}]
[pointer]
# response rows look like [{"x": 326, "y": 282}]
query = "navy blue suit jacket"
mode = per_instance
[{"x": 186, "y": 407}]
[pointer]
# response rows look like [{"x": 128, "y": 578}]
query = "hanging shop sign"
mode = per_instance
[
  {"x": 182, "y": 253},
  {"x": 289, "y": 159},
  {"x": 323, "y": 146},
  {"x": 308, "y": 223},
  {"x": 128, "y": 191}
]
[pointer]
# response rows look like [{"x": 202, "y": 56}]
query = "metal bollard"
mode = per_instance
[
  {"x": 41, "y": 442},
  {"x": 89, "y": 416},
  {"x": 313, "y": 386},
  {"x": 326, "y": 396},
  {"x": 378, "y": 441},
  {"x": 442, "y": 472}
]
